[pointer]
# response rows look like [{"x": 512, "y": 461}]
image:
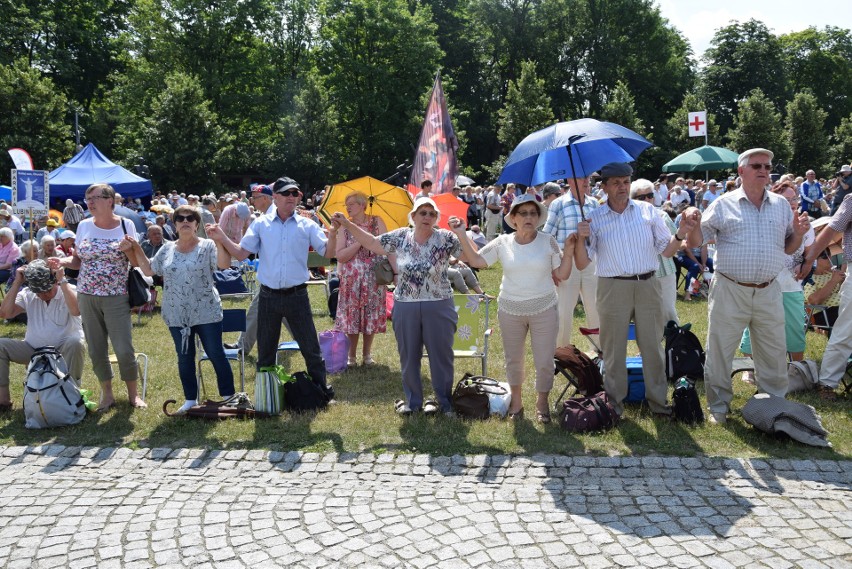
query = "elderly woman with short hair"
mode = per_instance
[
  {"x": 9, "y": 253},
  {"x": 102, "y": 292},
  {"x": 424, "y": 313}
]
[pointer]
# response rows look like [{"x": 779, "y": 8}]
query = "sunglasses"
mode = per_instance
[
  {"x": 644, "y": 196},
  {"x": 425, "y": 213},
  {"x": 180, "y": 218},
  {"x": 292, "y": 193},
  {"x": 766, "y": 167}
]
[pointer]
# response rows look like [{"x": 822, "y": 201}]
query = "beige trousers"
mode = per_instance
[
  {"x": 542, "y": 331},
  {"x": 732, "y": 307},
  {"x": 72, "y": 349},
  {"x": 581, "y": 283},
  {"x": 619, "y": 301}
]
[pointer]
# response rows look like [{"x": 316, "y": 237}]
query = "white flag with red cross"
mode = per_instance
[{"x": 698, "y": 123}]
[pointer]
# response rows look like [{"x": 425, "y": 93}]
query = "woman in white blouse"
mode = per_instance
[{"x": 527, "y": 302}]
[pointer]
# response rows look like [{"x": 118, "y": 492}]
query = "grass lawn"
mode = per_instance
[{"x": 363, "y": 419}]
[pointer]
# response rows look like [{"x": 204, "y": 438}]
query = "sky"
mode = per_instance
[{"x": 699, "y": 20}]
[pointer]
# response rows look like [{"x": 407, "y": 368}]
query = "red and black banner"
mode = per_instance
[{"x": 435, "y": 158}]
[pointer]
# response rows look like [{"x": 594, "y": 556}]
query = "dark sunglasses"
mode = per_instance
[
  {"x": 292, "y": 193},
  {"x": 766, "y": 167},
  {"x": 644, "y": 196},
  {"x": 179, "y": 218}
]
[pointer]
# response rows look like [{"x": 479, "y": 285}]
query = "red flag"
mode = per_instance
[{"x": 435, "y": 158}]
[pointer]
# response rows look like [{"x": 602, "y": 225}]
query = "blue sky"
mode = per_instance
[{"x": 698, "y": 20}]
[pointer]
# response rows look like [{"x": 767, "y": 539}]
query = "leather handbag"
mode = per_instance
[
  {"x": 383, "y": 271},
  {"x": 588, "y": 414},
  {"x": 138, "y": 292},
  {"x": 471, "y": 396}
]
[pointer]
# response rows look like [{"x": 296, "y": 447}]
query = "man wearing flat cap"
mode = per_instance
[
  {"x": 53, "y": 319},
  {"x": 753, "y": 229},
  {"x": 625, "y": 237},
  {"x": 282, "y": 240}
]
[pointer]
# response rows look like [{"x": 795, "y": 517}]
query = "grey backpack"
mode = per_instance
[
  {"x": 802, "y": 376},
  {"x": 51, "y": 396}
]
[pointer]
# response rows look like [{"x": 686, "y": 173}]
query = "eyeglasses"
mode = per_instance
[
  {"x": 644, "y": 196},
  {"x": 96, "y": 198},
  {"x": 529, "y": 213},
  {"x": 180, "y": 218},
  {"x": 292, "y": 193},
  {"x": 766, "y": 167},
  {"x": 426, "y": 213},
  {"x": 793, "y": 200}
]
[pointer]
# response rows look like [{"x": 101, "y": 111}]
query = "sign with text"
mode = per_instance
[
  {"x": 698, "y": 123},
  {"x": 30, "y": 191}
]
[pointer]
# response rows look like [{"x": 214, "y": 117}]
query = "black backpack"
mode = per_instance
[
  {"x": 684, "y": 354},
  {"x": 686, "y": 406},
  {"x": 582, "y": 367}
]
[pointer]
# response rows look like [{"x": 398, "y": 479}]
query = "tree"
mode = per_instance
[
  {"x": 841, "y": 150},
  {"x": 33, "y": 118},
  {"x": 182, "y": 140},
  {"x": 819, "y": 60},
  {"x": 677, "y": 131},
  {"x": 527, "y": 108},
  {"x": 313, "y": 136},
  {"x": 376, "y": 58},
  {"x": 808, "y": 143},
  {"x": 621, "y": 109},
  {"x": 742, "y": 57},
  {"x": 758, "y": 125}
]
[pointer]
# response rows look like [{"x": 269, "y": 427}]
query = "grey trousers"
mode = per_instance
[
  {"x": 618, "y": 301},
  {"x": 462, "y": 278},
  {"x": 18, "y": 351},
  {"x": 431, "y": 324},
  {"x": 248, "y": 338},
  {"x": 106, "y": 319}
]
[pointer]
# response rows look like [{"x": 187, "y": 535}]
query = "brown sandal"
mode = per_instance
[{"x": 543, "y": 417}]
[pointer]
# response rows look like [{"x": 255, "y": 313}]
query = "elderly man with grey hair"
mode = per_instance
[
  {"x": 627, "y": 236},
  {"x": 754, "y": 229},
  {"x": 550, "y": 192},
  {"x": 53, "y": 319}
]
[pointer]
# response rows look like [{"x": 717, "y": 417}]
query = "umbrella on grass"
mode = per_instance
[{"x": 704, "y": 158}]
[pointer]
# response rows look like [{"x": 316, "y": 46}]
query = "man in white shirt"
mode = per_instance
[
  {"x": 678, "y": 196},
  {"x": 493, "y": 213},
  {"x": 711, "y": 194},
  {"x": 625, "y": 236},
  {"x": 53, "y": 319}
]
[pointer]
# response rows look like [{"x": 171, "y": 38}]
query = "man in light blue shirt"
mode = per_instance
[{"x": 282, "y": 239}]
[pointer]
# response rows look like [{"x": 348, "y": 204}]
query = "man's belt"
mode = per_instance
[
  {"x": 283, "y": 291},
  {"x": 750, "y": 285},
  {"x": 642, "y": 277}
]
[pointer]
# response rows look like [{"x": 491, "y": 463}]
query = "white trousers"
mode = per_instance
[
  {"x": 839, "y": 346},
  {"x": 583, "y": 283}
]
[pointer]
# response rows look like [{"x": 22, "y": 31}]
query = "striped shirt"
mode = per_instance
[
  {"x": 842, "y": 221},
  {"x": 627, "y": 243},
  {"x": 749, "y": 241},
  {"x": 667, "y": 265},
  {"x": 563, "y": 215},
  {"x": 73, "y": 214}
]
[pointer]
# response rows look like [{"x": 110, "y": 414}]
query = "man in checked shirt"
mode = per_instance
[{"x": 753, "y": 229}]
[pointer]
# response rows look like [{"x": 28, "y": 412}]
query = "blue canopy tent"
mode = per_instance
[
  {"x": 88, "y": 167},
  {"x": 6, "y": 194}
]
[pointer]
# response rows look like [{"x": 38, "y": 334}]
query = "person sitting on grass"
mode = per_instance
[{"x": 53, "y": 319}]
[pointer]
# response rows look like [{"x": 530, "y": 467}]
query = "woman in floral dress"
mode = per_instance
[{"x": 361, "y": 303}]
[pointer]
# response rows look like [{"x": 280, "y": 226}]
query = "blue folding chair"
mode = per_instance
[{"x": 233, "y": 320}]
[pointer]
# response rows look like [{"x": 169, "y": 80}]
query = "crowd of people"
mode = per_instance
[{"x": 748, "y": 243}]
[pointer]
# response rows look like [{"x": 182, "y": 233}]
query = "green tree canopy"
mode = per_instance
[
  {"x": 527, "y": 108},
  {"x": 758, "y": 125},
  {"x": 808, "y": 144},
  {"x": 33, "y": 118}
]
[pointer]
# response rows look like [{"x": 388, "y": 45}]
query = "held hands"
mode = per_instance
[
  {"x": 690, "y": 219},
  {"x": 801, "y": 224},
  {"x": 584, "y": 229},
  {"x": 339, "y": 220},
  {"x": 126, "y": 245},
  {"x": 456, "y": 225},
  {"x": 214, "y": 232}
]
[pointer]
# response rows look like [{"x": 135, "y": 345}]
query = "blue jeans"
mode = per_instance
[
  {"x": 693, "y": 268},
  {"x": 211, "y": 339},
  {"x": 296, "y": 308}
]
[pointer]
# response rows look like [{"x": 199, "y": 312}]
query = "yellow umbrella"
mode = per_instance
[{"x": 388, "y": 202}]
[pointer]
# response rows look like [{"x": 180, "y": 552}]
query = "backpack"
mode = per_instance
[
  {"x": 802, "y": 376},
  {"x": 582, "y": 367},
  {"x": 51, "y": 396},
  {"x": 686, "y": 406},
  {"x": 588, "y": 414},
  {"x": 684, "y": 354}
]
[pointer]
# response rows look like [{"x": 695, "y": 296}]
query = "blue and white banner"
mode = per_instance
[{"x": 30, "y": 191}]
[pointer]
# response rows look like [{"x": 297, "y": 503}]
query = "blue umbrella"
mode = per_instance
[{"x": 544, "y": 156}]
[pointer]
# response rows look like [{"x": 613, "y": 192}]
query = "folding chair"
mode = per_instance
[
  {"x": 141, "y": 364},
  {"x": 233, "y": 320},
  {"x": 287, "y": 347},
  {"x": 472, "y": 330}
]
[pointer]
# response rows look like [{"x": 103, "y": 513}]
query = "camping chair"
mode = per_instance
[
  {"x": 249, "y": 270},
  {"x": 233, "y": 320},
  {"x": 472, "y": 331},
  {"x": 317, "y": 261},
  {"x": 817, "y": 318},
  {"x": 287, "y": 347}
]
